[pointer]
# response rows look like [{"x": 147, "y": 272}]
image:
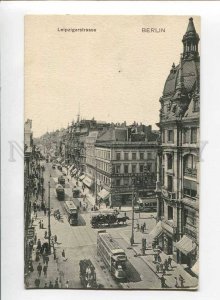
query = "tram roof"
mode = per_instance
[
  {"x": 110, "y": 243},
  {"x": 70, "y": 204}
]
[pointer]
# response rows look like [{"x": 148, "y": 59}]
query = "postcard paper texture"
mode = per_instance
[{"x": 112, "y": 108}]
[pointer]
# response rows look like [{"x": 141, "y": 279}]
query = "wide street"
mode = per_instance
[{"x": 79, "y": 242}]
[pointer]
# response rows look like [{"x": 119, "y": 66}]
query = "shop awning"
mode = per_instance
[
  {"x": 157, "y": 230},
  {"x": 81, "y": 177},
  {"x": 185, "y": 245},
  {"x": 78, "y": 173},
  {"x": 70, "y": 168},
  {"x": 103, "y": 194},
  {"x": 59, "y": 159},
  {"x": 74, "y": 171},
  {"x": 87, "y": 181},
  {"x": 195, "y": 268}
]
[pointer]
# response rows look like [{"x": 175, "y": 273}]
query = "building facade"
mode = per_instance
[
  {"x": 178, "y": 158},
  {"x": 118, "y": 161}
]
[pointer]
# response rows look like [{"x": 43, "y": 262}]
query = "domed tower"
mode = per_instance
[
  {"x": 183, "y": 79},
  {"x": 178, "y": 158}
]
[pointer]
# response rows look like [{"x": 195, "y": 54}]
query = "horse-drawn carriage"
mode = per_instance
[
  {"x": 99, "y": 219},
  {"x": 87, "y": 274}
]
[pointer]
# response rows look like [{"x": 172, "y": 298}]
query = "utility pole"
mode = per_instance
[{"x": 49, "y": 230}]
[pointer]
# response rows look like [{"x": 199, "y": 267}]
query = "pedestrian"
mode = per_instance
[
  {"x": 42, "y": 225},
  {"x": 54, "y": 254},
  {"x": 158, "y": 257},
  {"x": 45, "y": 234},
  {"x": 144, "y": 225},
  {"x": 38, "y": 244},
  {"x": 56, "y": 285},
  {"x": 39, "y": 269},
  {"x": 45, "y": 211},
  {"x": 55, "y": 238},
  {"x": 166, "y": 264},
  {"x": 67, "y": 284},
  {"x": 164, "y": 269},
  {"x": 181, "y": 279},
  {"x": 176, "y": 284},
  {"x": 64, "y": 256},
  {"x": 47, "y": 260},
  {"x": 45, "y": 270},
  {"x": 169, "y": 260},
  {"x": 35, "y": 239},
  {"x": 37, "y": 282},
  {"x": 138, "y": 227},
  {"x": 163, "y": 281},
  {"x": 157, "y": 268},
  {"x": 50, "y": 285},
  {"x": 155, "y": 257}
]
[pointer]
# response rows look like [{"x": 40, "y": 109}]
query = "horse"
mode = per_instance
[{"x": 122, "y": 219}]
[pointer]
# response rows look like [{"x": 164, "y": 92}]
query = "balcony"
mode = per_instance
[
  {"x": 190, "y": 172},
  {"x": 168, "y": 195}
]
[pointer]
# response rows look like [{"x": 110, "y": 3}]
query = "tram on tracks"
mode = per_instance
[
  {"x": 72, "y": 212},
  {"x": 113, "y": 256},
  {"x": 60, "y": 192}
]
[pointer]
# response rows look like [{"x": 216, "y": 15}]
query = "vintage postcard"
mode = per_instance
[{"x": 111, "y": 177}]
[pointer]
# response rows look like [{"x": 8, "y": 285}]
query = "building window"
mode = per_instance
[
  {"x": 169, "y": 161},
  {"x": 149, "y": 167},
  {"x": 126, "y": 156},
  {"x": 134, "y": 156},
  {"x": 170, "y": 183},
  {"x": 195, "y": 105},
  {"x": 133, "y": 168},
  {"x": 117, "y": 169},
  {"x": 126, "y": 181},
  {"x": 190, "y": 217},
  {"x": 170, "y": 213},
  {"x": 185, "y": 136},
  {"x": 118, "y": 156},
  {"x": 142, "y": 155},
  {"x": 118, "y": 182},
  {"x": 193, "y": 135},
  {"x": 125, "y": 169},
  {"x": 149, "y": 155},
  {"x": 163, "y": 136},
  {"x": 190, "y": 165},
  {"x": 141, "y": 167},
  {"x": 189, "y": 188},
  {"x": 170, "y": 136}
]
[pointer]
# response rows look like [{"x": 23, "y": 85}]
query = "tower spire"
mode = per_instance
[{"x": 190, "y": 41}]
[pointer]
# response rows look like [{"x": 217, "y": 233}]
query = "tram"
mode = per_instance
[
  {"x": 72, "y": 212},
  {"x": 60, "y": 192},
  {"x": 113, "y": 256}
]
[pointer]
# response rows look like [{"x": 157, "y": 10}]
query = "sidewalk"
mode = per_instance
[
  {"x": 175, "y": 271},
  {"x": 53, "y": 271}
]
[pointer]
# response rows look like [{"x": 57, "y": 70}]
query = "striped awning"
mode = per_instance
[
  {"x": 87, "y": 181},
  {"x": 157, "y": 230},
  {"x": 103, "y": 194},
  {"x": 71, "y": 167},
  {"x": 74, "y": 171},
  {"x": 81, "y": 177},
  {"x": 185, "y": 245}
]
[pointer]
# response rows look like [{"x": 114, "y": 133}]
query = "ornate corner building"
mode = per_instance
[{"x": 178, "y": 159}]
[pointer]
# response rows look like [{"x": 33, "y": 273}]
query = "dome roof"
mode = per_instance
[{"x": 190, "y": 74}]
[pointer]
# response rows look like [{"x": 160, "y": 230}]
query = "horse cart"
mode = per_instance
[
  {"x": 100, "y": 219},
  {"x": 87, "y": 274}
]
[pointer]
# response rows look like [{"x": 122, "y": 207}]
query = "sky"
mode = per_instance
[{"x": 115, "y": 74}]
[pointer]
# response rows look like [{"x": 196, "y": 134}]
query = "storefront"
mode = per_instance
[{"x": 88, "y": 182}]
